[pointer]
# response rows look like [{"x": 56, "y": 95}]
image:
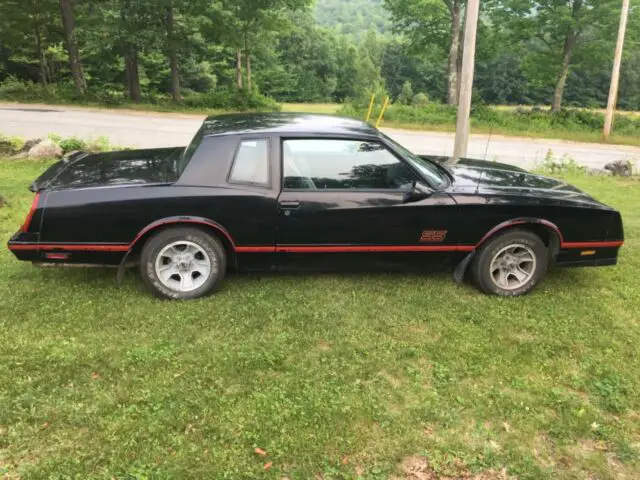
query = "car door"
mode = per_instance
[{"x": 354, "y": 196}]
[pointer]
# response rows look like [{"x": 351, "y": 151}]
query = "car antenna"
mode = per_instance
[{"x": 486, "y": 150}]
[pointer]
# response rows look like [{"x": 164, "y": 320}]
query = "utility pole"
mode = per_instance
[
  {"x": 615, "y": 76},
  {"x": 466, "y": 81}
]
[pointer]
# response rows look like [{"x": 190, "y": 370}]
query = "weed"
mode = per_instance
[{"x": 560, "y": 166}]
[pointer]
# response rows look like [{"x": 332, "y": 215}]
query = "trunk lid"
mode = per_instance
[{"x": 128, "y": 167}]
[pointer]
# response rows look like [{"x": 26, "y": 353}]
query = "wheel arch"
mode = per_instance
[
  {"x": 548, "y": 232},
  {"x": 204, "y": 224}
]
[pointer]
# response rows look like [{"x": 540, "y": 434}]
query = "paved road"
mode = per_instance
[{"x": 147, "y": 130}]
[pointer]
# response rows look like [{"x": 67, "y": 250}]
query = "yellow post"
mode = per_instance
[
  {"x": 384, "y": 108},
  {"x": 373, "y": 99}
]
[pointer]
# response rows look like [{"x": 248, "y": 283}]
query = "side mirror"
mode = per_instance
[{"x": 417, "y": 192}]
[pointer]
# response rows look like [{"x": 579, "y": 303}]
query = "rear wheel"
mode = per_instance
[
  {"x": 183, "y": 263},
  {"x": 511, "y": 264}
]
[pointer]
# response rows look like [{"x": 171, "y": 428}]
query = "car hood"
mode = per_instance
[
  {"x": 126, "y": 167},
  {"x": 479, "y": 176}
]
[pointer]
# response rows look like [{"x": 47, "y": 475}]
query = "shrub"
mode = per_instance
[
  {"x": 108, "y": 97},
  {"x": 10, "y": 145},
  {"x": 558, "y": 166},
  {"x": 406, "y": 95},
  {"x": 231, "y": 99},
  {"x": 72, "y": 144},
  {"x": 219, "y": 98},
  {"x": 420, "y": 100},
  {"x": 520, "y": 120}
]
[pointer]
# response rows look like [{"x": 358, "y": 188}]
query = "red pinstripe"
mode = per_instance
[
  {"x": 70, "y": 247},
  {"x": 375, "y": 248},
  {"x": 304, "y": 248},
  {"x": 255, "y": 249},
  {"x": 32, "y": 211}
]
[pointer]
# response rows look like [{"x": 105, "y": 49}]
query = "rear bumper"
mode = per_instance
[{"x": 26, "y": 247}]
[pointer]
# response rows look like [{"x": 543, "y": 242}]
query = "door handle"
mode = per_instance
[{"x": 289, "y": 205}]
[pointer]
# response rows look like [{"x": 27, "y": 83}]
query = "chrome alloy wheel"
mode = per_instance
[
  {"x": 183, "y": 266},
  {"x": 513, "y": 266}
]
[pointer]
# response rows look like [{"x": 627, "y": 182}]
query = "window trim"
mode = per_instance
[
  {"x": 380, "y": 141},
  {"x": 266, "y": 186}
]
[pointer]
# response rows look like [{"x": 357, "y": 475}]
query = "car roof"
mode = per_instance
[{"x": 282, "y": 123}]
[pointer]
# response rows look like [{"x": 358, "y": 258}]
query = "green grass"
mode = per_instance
[
  {"x": 558, "y": 134},
  {"x": 572, "y": 124},
  {"x": 326, "y": 108},
  {"x": 334, "y": 376}
]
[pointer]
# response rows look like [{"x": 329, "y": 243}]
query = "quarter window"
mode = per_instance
[
  {"x": 251, "y": 164},
  {"x": 324, "y": 164}
]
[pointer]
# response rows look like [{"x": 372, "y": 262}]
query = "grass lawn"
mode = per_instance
[
  {"x": 333, "y": 376},
  {"x": 328, "y": 108},
  {"x": 557, "y": 134}
]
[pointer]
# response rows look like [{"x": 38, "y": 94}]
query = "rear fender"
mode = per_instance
[{"x": 140, "y": 239}]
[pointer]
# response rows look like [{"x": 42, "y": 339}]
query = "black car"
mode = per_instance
[{"x": 288, "y": 191}]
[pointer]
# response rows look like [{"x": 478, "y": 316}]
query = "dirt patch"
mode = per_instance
[
  {"x": 393, "y": 381},
  {"x": 418, "y": 468},
  {"x": 543, "y": 450},
  {"x": 592, "y": 449}
]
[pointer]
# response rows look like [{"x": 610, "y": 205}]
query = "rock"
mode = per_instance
[
  {"x": 46, "y": 149},
  {"x": 29, "y": 144},
  {"x": 598, "y": 171},
  {"x": 620, "y": 168}
]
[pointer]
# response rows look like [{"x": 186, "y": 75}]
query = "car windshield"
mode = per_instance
[
  {"x": 434, "y": 175},
  {"x": 183, "y": 160}
]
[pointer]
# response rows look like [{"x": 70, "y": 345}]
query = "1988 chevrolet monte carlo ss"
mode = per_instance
[{"x": 283, "y": 191}]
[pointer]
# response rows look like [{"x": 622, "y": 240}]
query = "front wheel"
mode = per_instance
[
  {"x": 511, "y": 264},
  {"x": 183, "y": 263}
]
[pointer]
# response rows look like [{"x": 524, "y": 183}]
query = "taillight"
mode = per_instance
[{"x": 27, "y": 221}]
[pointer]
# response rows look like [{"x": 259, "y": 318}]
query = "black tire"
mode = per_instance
[
  {"x": 207, "y": 243},
  {"x": 481, "y": 268}
]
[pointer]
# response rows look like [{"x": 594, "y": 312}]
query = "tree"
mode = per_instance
[
  {"x": 28, "y": 30},
  {"x": 554, "y": 31},
  {"x": 429, "y": 22},
  {"x": 454, "y": 60},
  {"x": 125, "y": 29},
  {"x": 245, "y": 20},
  {"x": 75, "y": 63},
  {"x": 172, "y": 50}
]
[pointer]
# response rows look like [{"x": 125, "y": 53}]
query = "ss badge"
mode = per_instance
[{"x": 433, "y": 236}]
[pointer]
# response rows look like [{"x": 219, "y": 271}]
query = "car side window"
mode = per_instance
[
  {"x": 332, "y": 164},
  {"x": 251, "y": 164}
]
